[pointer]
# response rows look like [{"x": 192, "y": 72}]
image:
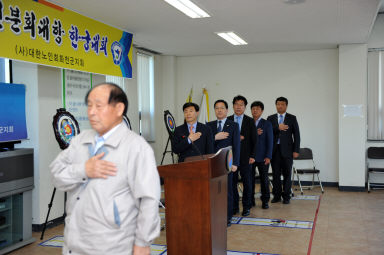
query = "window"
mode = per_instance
[
  {"x": 375, "y": 95},
  {"x": 117, "y": 80},
  {"x": 5, "y": 71},
  {"x": 145, "y": 81}
]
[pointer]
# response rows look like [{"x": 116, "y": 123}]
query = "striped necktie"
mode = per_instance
[
  {"x": 281, "y": 119},
  {"x": 219, "y": 129}
]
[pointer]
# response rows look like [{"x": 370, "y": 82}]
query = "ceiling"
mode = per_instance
[{"x": 267, "y": 25}]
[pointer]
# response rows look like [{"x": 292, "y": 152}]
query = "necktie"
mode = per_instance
[
  {"x": 190, "y": 129},
  {"x": 280, "y": 119},
  {"x": 219, "y": 128},
  {"x": 238, "y": 122},
  {"x": 280, "y": 122}
]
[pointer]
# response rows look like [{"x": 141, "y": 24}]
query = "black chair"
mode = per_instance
[
  {"x": 373, "y": 154},
  {"x": 306, "y": 155}
]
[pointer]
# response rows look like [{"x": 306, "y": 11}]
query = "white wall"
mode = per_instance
[
  {"x": 26, "y": 73},
  {"x": 309, "y": 79},
  {"x": 352, "y": 130},
  {"x": 376, "y": 40},
  {"x": 50, "y": 99},
  {"x": 165, "y": 97}
]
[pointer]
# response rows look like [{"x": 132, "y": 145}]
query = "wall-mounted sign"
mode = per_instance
[
  {"x": 41, "y": 32},
  {"x": 353, "y": 110},
  {"x": 76, "y": 85}
]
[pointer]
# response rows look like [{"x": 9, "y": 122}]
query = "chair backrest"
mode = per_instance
[
  {"x": 305, "y": 154},
  {"x": 376, "y": 152}
]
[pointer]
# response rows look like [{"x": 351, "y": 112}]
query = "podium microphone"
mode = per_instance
[{"x": 197, "y": 149}]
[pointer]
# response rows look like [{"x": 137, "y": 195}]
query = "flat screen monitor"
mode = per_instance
[{"x": 13, "y": 125}]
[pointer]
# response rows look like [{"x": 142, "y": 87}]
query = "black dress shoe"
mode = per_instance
[
  {"x": 286, "y": 201},
  {"x": 229, "y": 223},
  {"x": 246, "y": 212},
  {"x": 265, "y": 205},
  {"x": 276, "y": 200}
]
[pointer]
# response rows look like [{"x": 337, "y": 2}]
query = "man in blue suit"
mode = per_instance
[
  {"x": 264, "y": 146},
  {"x": 192, "y": 138},
  {"x": 226, "y": 133}
]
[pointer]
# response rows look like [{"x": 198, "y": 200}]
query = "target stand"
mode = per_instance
[
  {"x": 171, "y": 126},
  {"x": 65, "y": 127}
]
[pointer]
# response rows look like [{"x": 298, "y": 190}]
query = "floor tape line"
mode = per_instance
[
  {"x": 272, "y": 222},
  {"x": 313, "y": 228},
  {"x": 305, "y": 197},
  {"x": 156, "y": 249}
]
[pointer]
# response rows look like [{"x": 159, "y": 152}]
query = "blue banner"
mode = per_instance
[{"x": 12, "y": 112}]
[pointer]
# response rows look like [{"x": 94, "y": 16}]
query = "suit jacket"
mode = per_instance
[
  {"x": 264, "y": 145},
  {"x": 233, "y": 138},
  {"x": 247, "y": 147},
  {"x": 289, "y": 139},
  {"x": 181, "y": 146}
]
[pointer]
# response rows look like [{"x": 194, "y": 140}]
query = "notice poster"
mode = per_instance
[{"x": 75, "y": 87}]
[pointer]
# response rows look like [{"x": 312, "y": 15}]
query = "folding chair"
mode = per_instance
[
  {"x": 373, "y": 154},
  {"x": 307, "y": 156}
]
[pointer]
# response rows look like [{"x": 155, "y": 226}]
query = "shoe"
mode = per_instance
[
  {"x": 246, "y": 212},
  {"x": 236, "y": 211},
  {"x": 286, "y": 201},
  {"x": 265, "y": 205},
  {"x": 229, "y": 223},
  {"x": 276, "y": 200}
]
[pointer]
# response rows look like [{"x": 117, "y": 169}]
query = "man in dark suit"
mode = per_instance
[
  {"x": 247, "y": 154},
  {"x": 286, "y": 146},
  {"x": 226, "y": 133},
  {"x": 263, "y": 157},
  {"x": 192, "y": 138}
]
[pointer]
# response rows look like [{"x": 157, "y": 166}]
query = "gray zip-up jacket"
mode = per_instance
[{"x": 109, "y": 216}]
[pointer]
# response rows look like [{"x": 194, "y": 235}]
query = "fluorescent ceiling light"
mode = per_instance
[
  {"x": 294, "y": 1},
  {"x": 188, "y": 8},
  {"x": 232, "y": 38}
]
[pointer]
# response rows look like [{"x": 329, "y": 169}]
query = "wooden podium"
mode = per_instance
[{"x": 196, "y": 205}]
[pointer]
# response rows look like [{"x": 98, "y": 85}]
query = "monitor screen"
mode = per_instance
[{"x": 12, "y": 112}]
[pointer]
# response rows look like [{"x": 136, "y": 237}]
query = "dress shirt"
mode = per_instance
[
  {"x": 278, "y": 116},
  {"x": 193, "y": 129},
  {"x": 222, "y": 123},
  {"x": 239, "y": 120},
  {"x": 278, "y": 121},
  {"x": 101, "y": 139},
  {"x": 257, "y": 121}
]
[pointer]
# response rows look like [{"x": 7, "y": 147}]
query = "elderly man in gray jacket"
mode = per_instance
[{"x": 112, "y": 182}]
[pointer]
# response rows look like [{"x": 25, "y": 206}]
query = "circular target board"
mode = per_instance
[
  {"x": 171, "y": 123},
  {"x": 65, "y": 127}
]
